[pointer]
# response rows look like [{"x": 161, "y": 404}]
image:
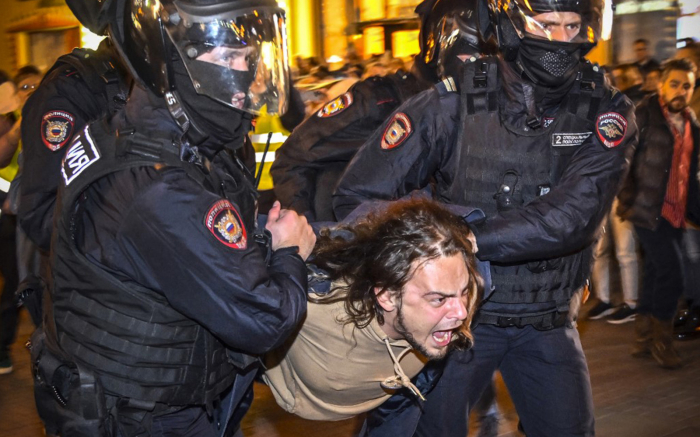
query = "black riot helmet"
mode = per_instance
[
  {"x": 547, "y": 38},
  {"x": 233, "y": 51},
  {"x": 455, "y": 28},
  {"x": 93, "y": 14}
]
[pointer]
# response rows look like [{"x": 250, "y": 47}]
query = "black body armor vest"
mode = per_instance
[
  {"x": 498, "y": 165},
  {"x": 138, "y": 346}
]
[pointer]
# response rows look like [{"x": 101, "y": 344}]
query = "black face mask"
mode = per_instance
[
  {"x": 223, "y": 124},
  {"x": 549, "y": 63}
]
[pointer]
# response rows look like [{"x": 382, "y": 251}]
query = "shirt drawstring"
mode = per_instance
[{"x": 400, "y": 379}]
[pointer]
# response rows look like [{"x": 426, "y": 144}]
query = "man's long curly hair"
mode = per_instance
[{"x": 385, "y": 251}]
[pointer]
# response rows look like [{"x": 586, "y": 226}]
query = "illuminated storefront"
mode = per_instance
[
  {"x": 38, "y": 32},
  {"x": 654, "y": 20},
  {"x": 372, "y": 26},
  {"x": 40, "y": 35}
]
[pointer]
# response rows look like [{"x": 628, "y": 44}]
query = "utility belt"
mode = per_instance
[
  {"x": 71, "y": 401},
  {"x": 541, "y": 322}
]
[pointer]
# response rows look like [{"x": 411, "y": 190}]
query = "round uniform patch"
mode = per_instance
[
  {"x": 56, "y": 129},
  {"x": 225, "y": 223},
  {"x": 611, "y": 128},
  {"x": 398, "y": 130},
  {"x": 336, "y": 106}
]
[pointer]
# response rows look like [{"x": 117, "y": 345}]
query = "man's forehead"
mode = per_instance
[
  {"x": 430, "y": 276},
  {"x": 234, "y": 48},
  {"x": 557, "y": 17},
  {"x": 680, "y": 76}
]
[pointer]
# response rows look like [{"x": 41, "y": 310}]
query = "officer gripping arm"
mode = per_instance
[
  {"x": 415, "y": 145},
  {"x": 162, "y": 239}
]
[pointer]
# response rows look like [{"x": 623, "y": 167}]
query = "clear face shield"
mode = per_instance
[
  {"x": 237, "y": 57},
  {"x": 575, "y": 21}
]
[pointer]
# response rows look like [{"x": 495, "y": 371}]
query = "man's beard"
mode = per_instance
[
  {"x": 677, "y": 104},
  {"x": 401, "y": 329}
]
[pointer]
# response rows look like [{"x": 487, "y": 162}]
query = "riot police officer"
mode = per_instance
[
  {"x": 163, "y": 287},
  {"x": 539, "y": 142},
  {"x": 309, "y": 164}
]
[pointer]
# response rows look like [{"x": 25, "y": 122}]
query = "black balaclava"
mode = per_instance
[
  {"x": 224, "y": 125},
  {"x": 551, "y": 66},
  {"x": 549, "y": 63}
]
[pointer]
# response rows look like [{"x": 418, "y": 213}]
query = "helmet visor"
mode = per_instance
[
  {"x": 453, "y": 36},
  {"x": 576, "y": 21},
  {"x": 238, "y": 58}
]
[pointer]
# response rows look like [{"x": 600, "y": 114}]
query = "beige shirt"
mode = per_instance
[{"x": 332, "y": 371}]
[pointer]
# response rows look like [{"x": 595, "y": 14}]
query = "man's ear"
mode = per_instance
[{"x": 386, "y": 299}]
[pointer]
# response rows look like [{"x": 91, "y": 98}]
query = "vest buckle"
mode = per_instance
[
  {"x": 481, "y": 76},
  {"x": 507, "y": 322},
  {"x": 534, "y": 122},
  {"x": 588, "y": 85}
]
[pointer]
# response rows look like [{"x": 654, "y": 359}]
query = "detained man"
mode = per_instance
[{"x": 403, "y": 288}]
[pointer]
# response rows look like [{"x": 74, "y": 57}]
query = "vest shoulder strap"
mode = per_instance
[
  {"x": 99, "y": 74},
  {"x": 479, "y": 86},
  {"x": 588, "y": 92}
]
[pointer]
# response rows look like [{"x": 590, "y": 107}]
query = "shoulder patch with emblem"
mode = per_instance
[
  {"x": 57, "y": 129},
  {"x": 397, "y": 132},
  {"x": 80, "y": 155},
  {"x": 336, "y": 106},
  {"x": 611, "y": 128},
  {"x": 225, "y": 223}
]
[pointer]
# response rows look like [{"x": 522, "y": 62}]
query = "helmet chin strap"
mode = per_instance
[{"x": 193, "y": 133}]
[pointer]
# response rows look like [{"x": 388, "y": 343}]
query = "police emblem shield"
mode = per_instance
[
  {"x": 336, "y": 106},
  {"x": 56, "y": 129},
  {"x": 225, "y": 223},
  {"x": 397, "y": 131},
  {"x": 610, "y": 129}
]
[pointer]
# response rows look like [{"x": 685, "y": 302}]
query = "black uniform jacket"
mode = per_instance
[
  {"x": 148, "y": 225},
  {"x": 418, "y": 143},
  {"x": 310, "y": 162},
  {"x": 57, "y": 111},
  {"x": 642, "y": 195}
]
